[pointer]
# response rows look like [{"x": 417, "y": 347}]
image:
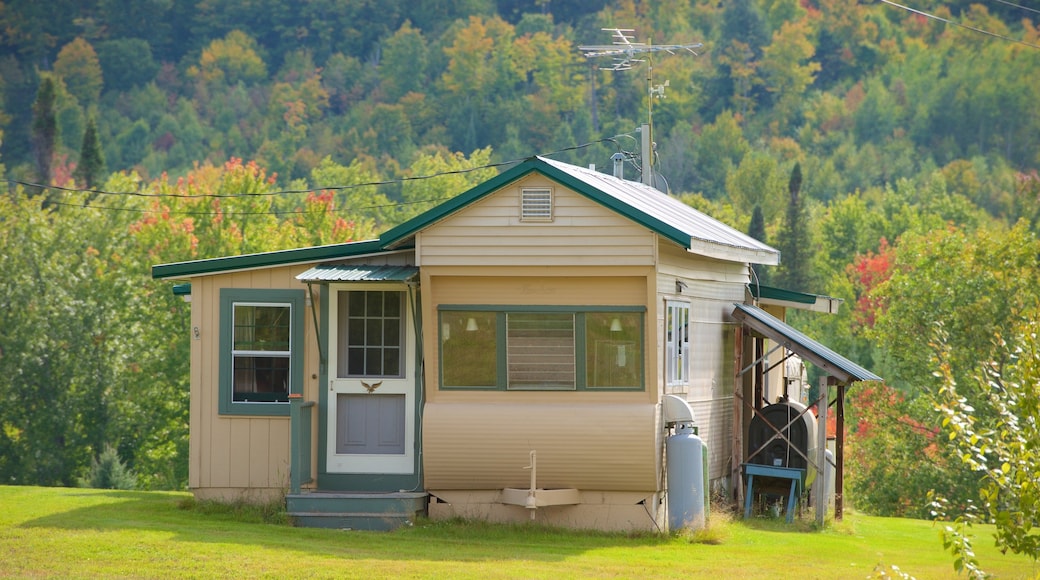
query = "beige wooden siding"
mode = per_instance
[
  {"x": 490, "y": 231},
  {"x": 579, "y": 286},
  {"x": 712, "y": 287},
  {"x": 475, "y": 446},
  {"x": 238, "y": 452}
]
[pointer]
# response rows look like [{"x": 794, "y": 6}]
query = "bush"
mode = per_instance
[{"x": 108, "y": 471}]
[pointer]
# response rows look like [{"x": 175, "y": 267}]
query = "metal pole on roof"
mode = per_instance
[
  {"x": 646, "y": 152},
  {"x": 626, "y": 53}
]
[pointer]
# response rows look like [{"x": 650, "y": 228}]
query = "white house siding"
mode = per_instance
[
  {"x": 712, "y": 287},
  {"x": 490, "y": 231}
]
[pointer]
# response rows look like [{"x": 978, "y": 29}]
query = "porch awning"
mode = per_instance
[
  {"x": 358, "y": 273},
  {"x": 826, "y": 359}
]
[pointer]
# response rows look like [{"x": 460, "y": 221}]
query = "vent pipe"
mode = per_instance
[{"x": 619, "y": 164}]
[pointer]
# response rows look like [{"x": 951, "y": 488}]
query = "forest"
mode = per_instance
[{"x": 890, "y": 152}]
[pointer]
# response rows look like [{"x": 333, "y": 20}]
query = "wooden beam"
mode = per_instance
[
  {"x": 760, "y": 349},
  {"x": 839, "y": 453},
  {"x": 737, "y": 451}
]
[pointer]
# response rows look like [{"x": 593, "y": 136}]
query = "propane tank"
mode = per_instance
[{"x": 686, "y": 478}]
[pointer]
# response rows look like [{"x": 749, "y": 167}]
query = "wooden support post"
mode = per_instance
[
  {"x": 759, "y": 374},
  {"x": 737, "y": 451},
  {"x": 839, "y": 454},
  {"x": 820, "y": 483}
]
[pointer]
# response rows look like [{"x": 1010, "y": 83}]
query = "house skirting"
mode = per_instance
[{"x": 621, "y": 511}]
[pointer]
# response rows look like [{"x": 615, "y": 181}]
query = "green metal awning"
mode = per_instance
[
  {"x": 358, "y": 273},
  {"x": 790, "y": 338},
  {"x": 793, "y": 299}
]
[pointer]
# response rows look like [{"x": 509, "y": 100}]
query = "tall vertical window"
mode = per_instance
[
  {"x": 261, "y": 350},
  {"x": 371, "y": 341},
  {"x": 677, "y": 343}
]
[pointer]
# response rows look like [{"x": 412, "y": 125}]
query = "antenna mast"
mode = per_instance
[{"x": 625, "y": 52}]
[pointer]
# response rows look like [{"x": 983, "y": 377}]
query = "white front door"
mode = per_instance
[{"x": 371, "y": 399}]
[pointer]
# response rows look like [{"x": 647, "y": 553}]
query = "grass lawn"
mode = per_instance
[{"x": 82, "y": 533}]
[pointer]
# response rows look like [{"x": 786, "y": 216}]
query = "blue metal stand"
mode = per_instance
[{"x": 797, "y": 476}]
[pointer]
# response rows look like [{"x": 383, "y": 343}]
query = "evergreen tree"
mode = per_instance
[
  {"x": 44, "y": 130},
  {"x": 794, "y": 242},
  {"x": 757, "y": 230},
  {"x": 91, "y": 158}
]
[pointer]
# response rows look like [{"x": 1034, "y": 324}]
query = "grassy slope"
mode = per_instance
[{"x": 55, "y": 532}]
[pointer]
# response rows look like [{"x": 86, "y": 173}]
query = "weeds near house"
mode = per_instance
[{"x": 241, "y": 510}]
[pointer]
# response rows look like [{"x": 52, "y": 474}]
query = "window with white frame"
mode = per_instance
[
  {"x": 677, "y": 343},
  {"x": 261, "y": 338}
]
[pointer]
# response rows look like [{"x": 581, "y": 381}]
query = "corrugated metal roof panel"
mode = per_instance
[
  {"x": 356, "y": 273},
  {"x": 826, "y": 359},
  {"x": 703, "y": 231}
]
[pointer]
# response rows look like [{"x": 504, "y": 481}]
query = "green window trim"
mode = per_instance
[
  {"x": 295, "y": 300},
  {"x": 500, "y": 341}
]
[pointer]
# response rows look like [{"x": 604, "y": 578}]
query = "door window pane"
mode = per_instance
[{"x": 371, "y": 334}]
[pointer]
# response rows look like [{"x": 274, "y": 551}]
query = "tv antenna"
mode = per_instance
[{"x": 627, "y": 54}]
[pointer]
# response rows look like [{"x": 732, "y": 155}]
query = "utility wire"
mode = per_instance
[
  {"x": 93, "y": 191},
  {"x": 952, "y": 23},
  {"x": 306, "y": 190},
  {"x": 1005, "y": 2}
]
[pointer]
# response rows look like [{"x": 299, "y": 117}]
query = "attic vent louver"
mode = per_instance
[{"x": 536, "y": 205}]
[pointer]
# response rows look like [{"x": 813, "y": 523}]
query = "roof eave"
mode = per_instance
[{"x": 267, "y": 259}]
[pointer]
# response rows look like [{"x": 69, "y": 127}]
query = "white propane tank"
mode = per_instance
[{"x": 686, "y": 478}]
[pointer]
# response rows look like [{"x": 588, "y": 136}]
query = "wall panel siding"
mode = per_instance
[
  {"x": 490, "y": 231},
  {"x": 236, "y": 452},
  {"x": 712, "y": 287},
  {"x": 486, "y": 446}
]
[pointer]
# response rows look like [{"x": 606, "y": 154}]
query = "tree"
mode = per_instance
[
  {"x": 91, "y": 158},
  {"x": 403, "y": 67},
  {"x": 78, "y": 66},
  {"x": 757, "y": 230},
  {"x": 785, "y": 74},
  {"x": 794, "y": 240},
  {"x": 230, "y": 60},
  {"x": 44, "y": 129},
  {"x": 999, "y": 444}
]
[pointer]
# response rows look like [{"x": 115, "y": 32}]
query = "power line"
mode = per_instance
[
  {"x": 965, "y": 26},
  {"x": 385, "y": 182},
  {"x": 93, "y": 191},
  {"x": 1005, "y": 2}
]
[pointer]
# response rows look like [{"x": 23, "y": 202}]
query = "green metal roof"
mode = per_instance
[
  {"x": 657, "y": 211},
  {"x": 266, "y": 259},
  {"x": 791, "y": 298},
  {"x": 352, "y": 273},
  {"x": 826, "y": 359}
]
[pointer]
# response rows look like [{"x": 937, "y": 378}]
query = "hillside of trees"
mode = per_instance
[{"x": 891, "y": 156}]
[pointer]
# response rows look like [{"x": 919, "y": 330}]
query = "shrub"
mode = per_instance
[{"x": 107, "y": 471}]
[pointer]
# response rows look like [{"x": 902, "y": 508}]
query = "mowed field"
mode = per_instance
[{"x": 84, "y": 533}]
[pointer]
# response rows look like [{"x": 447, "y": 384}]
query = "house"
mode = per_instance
[{"x": 504, "y": 355}]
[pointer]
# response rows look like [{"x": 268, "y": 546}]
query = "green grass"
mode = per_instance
[{"x": 82, "y": 533}]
